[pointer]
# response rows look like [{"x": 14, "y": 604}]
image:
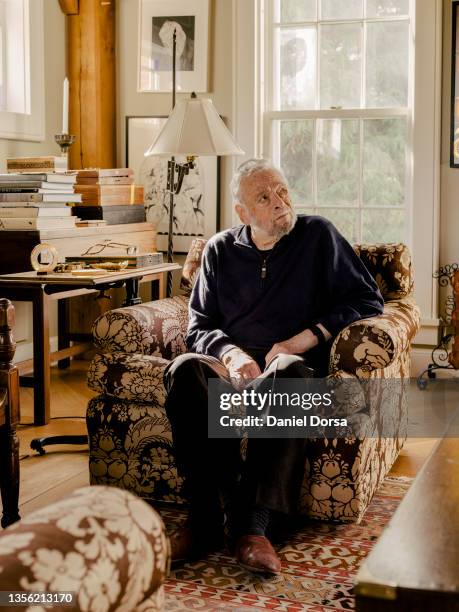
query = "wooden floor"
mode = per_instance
[{"x": 65, "y": 468}]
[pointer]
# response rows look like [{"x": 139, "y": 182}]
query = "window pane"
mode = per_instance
[
  {"x": 340, "y": 65},
  {"x": 341, "y": 9},
  {"x": 337, "y": 162},
  {"x": 292, "y": 11},
  {"x": 296, "y": 139},
  {"x": 297, "y": 52},
  {"x": 384, "y": 226},
  {"x": 384, "y": 162},
  {"x": 387, "y": 64},
  {"x": 385, "y": 8},
  {"x": 347, "y": 221}
]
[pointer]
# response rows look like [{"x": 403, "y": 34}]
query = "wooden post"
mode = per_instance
[
  {"x": 91, "y": 70},
  {"x": 9, "y": 417}
]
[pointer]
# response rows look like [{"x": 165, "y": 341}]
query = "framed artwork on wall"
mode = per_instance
[
  {"x": 157, "y": 21},
  {"x": 197, "y": 207},
  {"x": 454, "y": 149}
]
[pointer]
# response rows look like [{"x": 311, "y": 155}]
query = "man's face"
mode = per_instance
[{"x": 266, "y": 204}]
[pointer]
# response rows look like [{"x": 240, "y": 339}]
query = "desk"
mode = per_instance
[{"x": 29, "y": 287}]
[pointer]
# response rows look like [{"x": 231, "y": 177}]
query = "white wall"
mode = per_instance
[
  {"x": 54, "y": 62},
  {"x": 449, "y": 210},
  {"x": 449, "y": 224}
]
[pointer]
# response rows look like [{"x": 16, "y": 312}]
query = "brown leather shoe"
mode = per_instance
[
  {"x": 182, "y": 543},
  {"x": 255, "y": 553},
  {"x": 188, "y": 545}
]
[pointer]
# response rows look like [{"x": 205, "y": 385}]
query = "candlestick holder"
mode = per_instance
[{"x": 65, "y": 141}]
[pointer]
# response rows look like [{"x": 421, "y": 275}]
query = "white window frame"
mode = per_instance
[
  {"x": 269, "y": 116},
  {"x": 28, "y": 125},
  {"x": 249, "y": 98}
]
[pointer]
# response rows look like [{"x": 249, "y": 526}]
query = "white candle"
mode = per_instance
[{"x": 65, "y": 107}]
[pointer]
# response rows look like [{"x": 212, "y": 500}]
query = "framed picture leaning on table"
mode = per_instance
[{"x": 197, "y": 207}]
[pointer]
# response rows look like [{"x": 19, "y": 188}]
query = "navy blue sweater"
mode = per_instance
[{"x": 311, "y": 276}]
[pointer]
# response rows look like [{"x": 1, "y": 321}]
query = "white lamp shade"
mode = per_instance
[{"x": 194, "y": 128}]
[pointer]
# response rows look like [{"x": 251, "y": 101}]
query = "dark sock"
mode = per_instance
[{"x": 258, "y": 521}]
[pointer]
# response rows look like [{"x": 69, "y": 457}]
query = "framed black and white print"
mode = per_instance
[
  {"x": 196, "y": 207},
  {"x": 157, "y": 21}
]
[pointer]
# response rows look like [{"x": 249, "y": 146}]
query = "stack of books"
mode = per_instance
[
  {"x": 37, "y": 200},
  {"x": 109, "y": 194}
]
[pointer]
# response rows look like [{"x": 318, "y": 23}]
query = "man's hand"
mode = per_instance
[
  {"x": 296, "y": 345},
  {"x": 288, "y": 347},
  {"x": 242, "y": 368}
]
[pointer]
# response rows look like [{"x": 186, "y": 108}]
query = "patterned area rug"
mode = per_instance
[{"x": 319, "y": 565}]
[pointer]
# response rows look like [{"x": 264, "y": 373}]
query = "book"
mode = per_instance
[
  {"x": 31, "y": 205},
  {"x": 38, "y": 195},
  {"x": 110, "y": 195},
  {"x": 134, "y": 261},
  {"x": 37, "y": 223},
  {"x": 40, "y": 184},
  {"x": 60, "y": 196},
  {"x": 15, "y": 212},
  {"x": 90, "y": 222},
  {"x": 105, "y": 180},
  {"x": 51, "y": 177},
  {"x": 104, "y": 172},
  {"x": 22, "y": 199},
  {"x": 46, "y": 162},
  {"x": 57, "y": 185},
  {"x": 18, "y": 189},
  {"x": 114, "y": 215}
]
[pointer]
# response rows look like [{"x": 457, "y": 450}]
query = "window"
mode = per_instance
[
  {"x": 337, "y": 114},
  {"x": 21, "y": 69}
]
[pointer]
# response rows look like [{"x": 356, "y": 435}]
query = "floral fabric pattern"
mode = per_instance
[
  {"x": 390, "y": 265},
  {"x": 130, "y": 436},
  {"x": 156, "y": 328},
  {"x": 372, "y": 344},
  {"x": 131, "y": 448},
  {"x": 105, "y": 545},
  {"x": 128, "y": 376}
]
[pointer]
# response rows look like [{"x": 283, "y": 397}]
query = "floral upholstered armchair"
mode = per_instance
[{"x": 129, "y": 433}]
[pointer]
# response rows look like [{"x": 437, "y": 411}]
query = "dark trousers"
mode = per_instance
[{"x": 273, "y": 470}]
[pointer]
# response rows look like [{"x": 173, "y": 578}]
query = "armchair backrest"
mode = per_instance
[
  {"x": 389, "y": 264},
  {"x": 391, "y": 267}
]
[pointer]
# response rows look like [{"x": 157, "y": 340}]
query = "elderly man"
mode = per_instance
[{"x": 274, "y": 290}]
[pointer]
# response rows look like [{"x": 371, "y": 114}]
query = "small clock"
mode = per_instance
[{"x": 44, "y": 258}]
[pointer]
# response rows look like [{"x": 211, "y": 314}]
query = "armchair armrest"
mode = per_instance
[
  {"x": 106, "y": 545},
  {"x": 154, "y": 328},
  {"x": 375, "y": 343},
  {"x": 128, "y": 376}
]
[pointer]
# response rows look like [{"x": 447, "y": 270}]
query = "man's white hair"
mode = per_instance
[{"x": 249, "y": 167}]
